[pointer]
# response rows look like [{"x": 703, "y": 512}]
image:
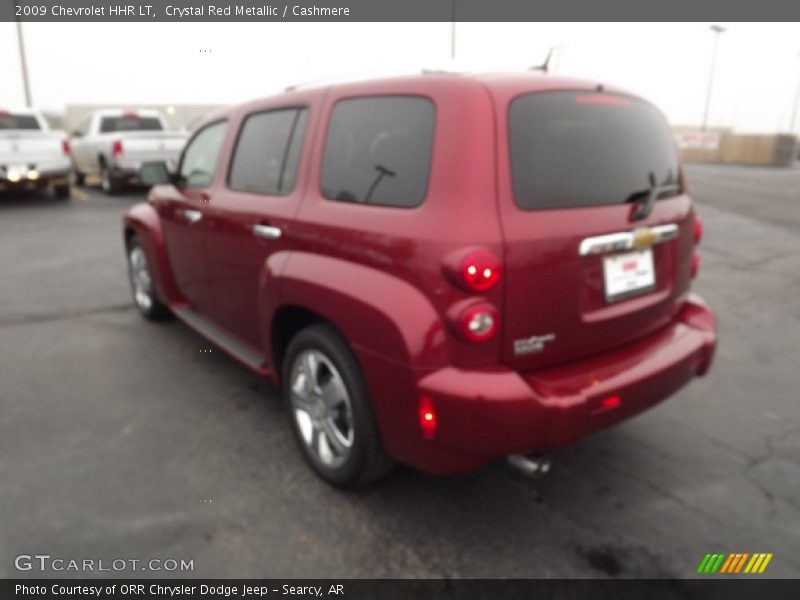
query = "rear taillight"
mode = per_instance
[
  {"x": 116, "y": 148},
  {"x": 698, "y": 229},
  {"x": 695, "y": 264},
  {"x": 478, "y": 323},
  {"x": 480, "y": 273},
  {"x": 474, "y": 270},
  {"x": 65, "y": 147}
]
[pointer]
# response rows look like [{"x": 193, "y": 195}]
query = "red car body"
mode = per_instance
[{"x": 387, "y": 279}]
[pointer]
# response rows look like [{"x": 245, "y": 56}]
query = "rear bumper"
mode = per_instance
[
  {"x": 35, "y": 174},
  {"x": 489, "y": 413},
  {"x": 130, "y": 167}
]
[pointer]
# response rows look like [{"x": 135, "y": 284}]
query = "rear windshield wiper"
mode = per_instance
[{"x": 647, "y": 198}]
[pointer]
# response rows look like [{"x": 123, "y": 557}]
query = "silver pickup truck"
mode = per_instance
[
  {"x": 32, "y": 156},
  {"x": 115, "y": 143}
]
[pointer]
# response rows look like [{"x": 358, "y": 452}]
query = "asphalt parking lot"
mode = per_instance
[{"x": 124, "y": 439}]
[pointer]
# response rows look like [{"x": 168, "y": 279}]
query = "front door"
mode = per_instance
[{"x": 183, "y": 214}]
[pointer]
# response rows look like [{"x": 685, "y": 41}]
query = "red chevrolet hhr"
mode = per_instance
[{"x": 441, "y": 269}]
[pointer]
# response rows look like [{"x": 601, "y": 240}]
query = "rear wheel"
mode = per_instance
[
  {"x": 330, "y": 410},
  {"x": 80, "y": 178},
  {"x": 144, "y": 295},
  {"x": 111, "y": 185}
]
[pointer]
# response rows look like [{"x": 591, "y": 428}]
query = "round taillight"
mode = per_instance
[
  {"x": 478, "y": 323},
  {"x": 698, "y": 229},
  {"x": 480, "y": 271}
]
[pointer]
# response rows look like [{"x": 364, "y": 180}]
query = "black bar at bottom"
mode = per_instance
[{"x": 721, "y": 588}]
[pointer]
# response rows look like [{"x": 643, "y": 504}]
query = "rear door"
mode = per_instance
[
  {"x": 251, "y": 216},
  {"x": 598, "y": 229},
  {"x": 183, "y": 214}
]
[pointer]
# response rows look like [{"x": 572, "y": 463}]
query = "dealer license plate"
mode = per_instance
[{"x": 628, "y": 274}]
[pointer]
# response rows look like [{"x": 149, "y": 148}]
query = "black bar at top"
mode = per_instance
[{"x": 398, "y": 10}]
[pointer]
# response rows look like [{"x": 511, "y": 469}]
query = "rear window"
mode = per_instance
[
  {"x": 571, "y": 149},
  {"x": 129, "y": 123},
  {"x": 14, "y": 121},
  {"x": 378, "y": 151}
]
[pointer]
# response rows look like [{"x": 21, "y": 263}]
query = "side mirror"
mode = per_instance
[{"x": 154, "y": 173}]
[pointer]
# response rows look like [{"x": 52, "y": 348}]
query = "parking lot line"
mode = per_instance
[{"x": 79, "y": 194}]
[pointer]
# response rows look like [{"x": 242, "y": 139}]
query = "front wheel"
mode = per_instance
[
  {"x": 330, "y": 410},
  {"x": 144, "y": 295}
]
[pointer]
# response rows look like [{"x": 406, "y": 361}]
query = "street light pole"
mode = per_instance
[
  {"x": 717, "y": 29},
  {"x": 23, "y": 65}
]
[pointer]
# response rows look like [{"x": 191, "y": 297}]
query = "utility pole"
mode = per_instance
[
  {"x": 793, "y": 122},
  {"x": 23, "y": 65},
  {"x": 453, "y": 34},
  {"x": 717, "y": 29}
]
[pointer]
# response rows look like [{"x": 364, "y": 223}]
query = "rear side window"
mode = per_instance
[
  {"x": 266, "y": 154},
  {"x": 378, "y": 151},
  {"x": 129, "y": 123},
  {"x": 572, "y": 149},
  {"x": 16, "y": 121}
]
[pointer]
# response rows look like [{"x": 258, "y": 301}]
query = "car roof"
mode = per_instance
[
  {"x": 524, "y": 81},
  {"x": 21, "y": 110}
]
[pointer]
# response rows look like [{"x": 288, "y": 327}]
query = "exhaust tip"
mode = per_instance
[{"x": 534, "y": 465}]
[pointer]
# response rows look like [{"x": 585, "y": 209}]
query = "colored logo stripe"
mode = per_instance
[{"x": 734, "y": 562}]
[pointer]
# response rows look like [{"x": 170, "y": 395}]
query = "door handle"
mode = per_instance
[
  {"x": 268, "y": 232},
  {"x": 193, "y": 216}
]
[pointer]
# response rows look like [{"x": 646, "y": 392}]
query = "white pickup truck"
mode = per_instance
[
  {"x": 32, "y": 156},
  {"x": 115, "y": 143}
]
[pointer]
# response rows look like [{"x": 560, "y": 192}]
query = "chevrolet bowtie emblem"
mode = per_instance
[{"x": 644, "y": 238}]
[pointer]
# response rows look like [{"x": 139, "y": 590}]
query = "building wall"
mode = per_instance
[{"x": 725, "y": 147}]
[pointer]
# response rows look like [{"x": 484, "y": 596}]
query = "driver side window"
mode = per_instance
[{"x": 200, "y": 157}]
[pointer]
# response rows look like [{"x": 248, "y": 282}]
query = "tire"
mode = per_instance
[
  {"x": 351, "y": 453},
  {"x": 144, "y": 295},
  {"x": 80, "y": 178},
  {"x": 111, "y": 185},
  {"x": 61, "y": 191}
]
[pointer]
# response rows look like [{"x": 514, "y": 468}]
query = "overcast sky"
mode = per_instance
[{"x": 757, "y": 67}]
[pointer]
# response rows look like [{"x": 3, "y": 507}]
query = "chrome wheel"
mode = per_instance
[
  {"x": 321, "y": 408},
  {"x": 140, "y": 279}
]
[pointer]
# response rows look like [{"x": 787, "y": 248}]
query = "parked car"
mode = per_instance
[
  {"x": 440, "y": 270},
  {"x": 32, "y": 156},
  {"x": 115, "y": 143}
]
